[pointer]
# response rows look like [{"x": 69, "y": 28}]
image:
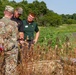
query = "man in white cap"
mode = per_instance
[
  {"x": 16, "y": 17},
  {"x": 8, "y": 41}
]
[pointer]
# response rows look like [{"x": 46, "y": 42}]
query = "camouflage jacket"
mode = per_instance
[{"x": 8, "y": 33}]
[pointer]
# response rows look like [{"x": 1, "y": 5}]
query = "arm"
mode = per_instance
[
  {"x": 36, "y": 36},
  {"x": 21, "y": 32}
]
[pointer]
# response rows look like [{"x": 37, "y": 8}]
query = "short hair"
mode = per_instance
[{"x": 32, "y": 14}]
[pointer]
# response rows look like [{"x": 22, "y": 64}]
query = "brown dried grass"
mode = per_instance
[{"x": 40, "y": 53}]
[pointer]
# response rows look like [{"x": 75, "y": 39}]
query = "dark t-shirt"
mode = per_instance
[
  {"x": 29, "y": 29},
  {"x": 20, "y": 24}
]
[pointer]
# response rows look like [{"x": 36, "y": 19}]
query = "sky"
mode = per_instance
[{"x": 59, "y": 6}]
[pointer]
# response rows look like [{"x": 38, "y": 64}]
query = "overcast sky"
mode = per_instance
[{"x": 59, "y": 6}]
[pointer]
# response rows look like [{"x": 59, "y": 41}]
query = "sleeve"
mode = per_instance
[
  {"x": 21, "y": 27},
  {"x": 8, "y": 35},
  {"x": 11, "y": 33},
  {"x": 2, "y": 32}
]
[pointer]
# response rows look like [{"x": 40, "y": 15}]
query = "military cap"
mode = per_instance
[
  {"x": 9, "y": 9},
  {"x": 19, "y": 10}
]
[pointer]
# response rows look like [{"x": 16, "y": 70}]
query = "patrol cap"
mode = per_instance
[
  {"x": 9, "y": 9},
  {"x": 19, "y": 10}
]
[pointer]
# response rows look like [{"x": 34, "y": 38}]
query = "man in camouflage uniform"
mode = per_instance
[{"x": 8, "y": 41}]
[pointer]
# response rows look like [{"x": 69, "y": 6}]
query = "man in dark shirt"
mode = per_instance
[{"x": 17, "y": 13}]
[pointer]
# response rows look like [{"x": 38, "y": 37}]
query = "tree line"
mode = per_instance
[{"x": 44, "y": 16}]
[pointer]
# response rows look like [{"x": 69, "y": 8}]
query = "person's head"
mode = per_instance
[
  {"x": 8, "y": 12},
  {"x": 31, "y": 17},
  {"x": 18, "y": 12}
]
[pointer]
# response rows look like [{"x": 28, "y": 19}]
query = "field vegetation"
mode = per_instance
[
  {"x": 58, "y": 35},
  {"x": 55, "y": 43}
]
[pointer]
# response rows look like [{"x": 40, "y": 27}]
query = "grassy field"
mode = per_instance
[
  {"x": 54, "y": 34},
  {"x": 55, "y": 43}
]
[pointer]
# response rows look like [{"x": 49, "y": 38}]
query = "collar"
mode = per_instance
[{"x": 29, "y": 23}]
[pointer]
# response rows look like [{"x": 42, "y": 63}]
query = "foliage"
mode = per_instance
[
  {"x": 56, "y": 34},
  {"x": 44, "y": 16},
  {"x": 69, "y": 19}
]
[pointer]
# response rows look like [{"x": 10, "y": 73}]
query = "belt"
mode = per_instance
[
  {"x": 29, "y": 40},
  {"x": 11, "y": 48}
]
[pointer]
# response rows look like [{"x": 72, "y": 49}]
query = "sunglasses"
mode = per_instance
[{"x": 19, "y": 14}]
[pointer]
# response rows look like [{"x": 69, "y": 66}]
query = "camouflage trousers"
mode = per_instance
[{"x": 11, "y": 58}]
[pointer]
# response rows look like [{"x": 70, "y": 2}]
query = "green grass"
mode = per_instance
[{"x": 52, "y": 33}]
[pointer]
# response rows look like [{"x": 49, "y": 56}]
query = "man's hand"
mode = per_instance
[
  {"x": 21, "y": 41},
  {"x": 21, "y": 35},
  {"x": 35, "y": 41}
]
